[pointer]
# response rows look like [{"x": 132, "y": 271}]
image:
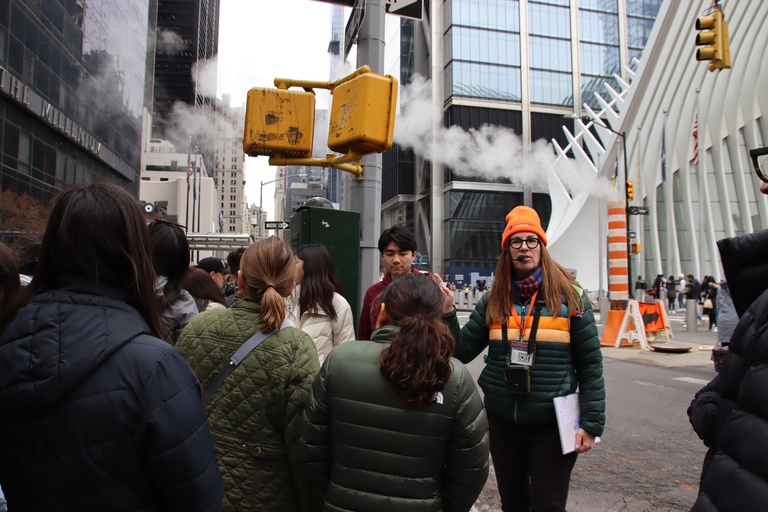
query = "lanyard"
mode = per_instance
[{"x": 525, "y": 316}]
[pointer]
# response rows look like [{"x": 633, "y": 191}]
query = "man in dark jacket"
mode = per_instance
[{"x": 731, "y": 413}]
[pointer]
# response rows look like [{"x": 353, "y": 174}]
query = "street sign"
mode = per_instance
[
  {"x": 407, "y": 8},
  {"x": 276, "y": 224},
  {"x": 631, "y": 234},
  {"x": 638, "y": 210},
  {"x": 353, "y": 26}
]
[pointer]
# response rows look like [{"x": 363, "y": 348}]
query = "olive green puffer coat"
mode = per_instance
[
  {"x": 254, "y": 418},
  {"x": 567, "y": 357},
  {"x": 371, "y": 451}
]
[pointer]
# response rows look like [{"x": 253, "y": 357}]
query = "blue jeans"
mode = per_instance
[{"x": 681, "y": 301}]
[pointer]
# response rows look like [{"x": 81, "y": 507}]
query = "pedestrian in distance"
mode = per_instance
[
  {"x": 204, "y": 290},
  {"x": 395, "y": 423},
  {"x": 730, "y": 413},
  {"x": 671, "y": 293},
  {"x": 99, "y": 413},
  {"x": 692, "y": 290},
  {"x": 542, "y": 343},
  {"x": 709, "y": 301},
  {"x": 217, "y": 269},
  {"x": 254, "y": 413},
  {"x": 316, "y": 305},
  {"x": 397, "y": 246},
  {"x": 233, "y": 262},
  {"x": 640, "y": 288},
  {"x": 170, "y": 257},
  {"x": 681, "y": 287}
]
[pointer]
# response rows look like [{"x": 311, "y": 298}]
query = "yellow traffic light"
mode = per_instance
[
  {"x": 630, "y": 191},
  {"x": 279, "y": 122},
  {"x": 713, "y": 40},
  {"x": 363, "y": 115}
]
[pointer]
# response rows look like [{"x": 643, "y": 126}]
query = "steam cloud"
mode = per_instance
[
  {"x": 204, "y": 74},
  {"x": 490, "y": 152},
  {"x": 170, "y": 42}
]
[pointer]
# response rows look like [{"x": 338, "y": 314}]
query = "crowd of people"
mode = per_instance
[{"x": 133, "y": 380}]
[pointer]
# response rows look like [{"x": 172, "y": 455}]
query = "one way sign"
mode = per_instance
[
  {"x": 407, "y": 8},
  {"x": 276, "y": 224}
]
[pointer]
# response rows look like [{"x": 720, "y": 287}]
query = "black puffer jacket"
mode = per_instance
[
  {"x": 97, "y": 414},
  {"x": 731, "y": 412}
]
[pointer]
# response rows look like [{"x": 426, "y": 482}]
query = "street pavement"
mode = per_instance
[{"x": 649, "y": 458}]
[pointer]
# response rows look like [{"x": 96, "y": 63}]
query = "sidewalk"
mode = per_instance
[{"x": 696, "y": 356}]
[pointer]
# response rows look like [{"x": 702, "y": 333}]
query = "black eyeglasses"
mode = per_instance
[
  {"x": 760, "y": 162},
  {"x": 517, "y": 243}
]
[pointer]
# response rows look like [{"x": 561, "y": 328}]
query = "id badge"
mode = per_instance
[{"x": 518, "y": 356}]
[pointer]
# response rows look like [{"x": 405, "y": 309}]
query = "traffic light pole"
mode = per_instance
[
  {"x": 626, "y": 200},
  {"x": 366, "y": 191}
]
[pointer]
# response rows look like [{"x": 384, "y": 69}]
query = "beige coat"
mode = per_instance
[{"x": 324, "y": 331}]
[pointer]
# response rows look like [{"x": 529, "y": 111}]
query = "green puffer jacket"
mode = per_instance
[
  {"x": 371, "y": 451},
  {"x": 254, "y": 418},
  {"x": 572, "y": 359}
]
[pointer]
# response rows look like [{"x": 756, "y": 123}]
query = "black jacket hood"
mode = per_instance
[
  {"x": 59, "y": 339},
  {"x": 745, "y": 262}
]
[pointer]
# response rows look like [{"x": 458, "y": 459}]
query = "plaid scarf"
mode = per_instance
[{"x": 528, "y": 286}]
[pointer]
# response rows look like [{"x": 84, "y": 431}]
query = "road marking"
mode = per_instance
[{"x": 692, "y": 380}]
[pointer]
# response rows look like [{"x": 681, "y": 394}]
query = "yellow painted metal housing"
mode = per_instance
[
  {"x": 363, "y": 114},
  {"x": 279, "y": 122}
]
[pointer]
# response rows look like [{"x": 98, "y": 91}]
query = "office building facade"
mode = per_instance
[
  {"x": 230, "y": 166},
  {"x": 518, "y": 65},
  {"x": 72, "y": 92}
]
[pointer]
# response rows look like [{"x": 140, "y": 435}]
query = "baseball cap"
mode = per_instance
[{"x": 213, "y": 265}]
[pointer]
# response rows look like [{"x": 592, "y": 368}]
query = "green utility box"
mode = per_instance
[{"x": 339, "y": 232}]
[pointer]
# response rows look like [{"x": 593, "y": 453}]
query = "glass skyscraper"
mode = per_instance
[
  {"x": 72, "y": 90},
  {"x": 519, "y": 64}
]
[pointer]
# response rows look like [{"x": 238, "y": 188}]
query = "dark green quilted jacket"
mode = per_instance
[
  {"x": 371, "y": 451},
  {"x": 559, "y": 368},
  {"x": 254, "y": 418}
]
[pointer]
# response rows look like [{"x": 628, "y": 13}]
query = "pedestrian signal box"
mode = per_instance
[
  {"x": 279, "y": 121},
  {"x": 363, "y": 115},
  {"x": 635, "y": 248}
]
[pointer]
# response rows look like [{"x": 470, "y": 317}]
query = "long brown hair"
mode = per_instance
[
  {"x": 320, "y": 281},
  {"x": 417, "y": 364},
  {"x": 267, "y": 267},
  {"x": 557, "y": 283},
  {"x": 96, "y": 232},
  {"x": 202, "y": 288}
]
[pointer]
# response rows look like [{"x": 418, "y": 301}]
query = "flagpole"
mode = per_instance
[
  {"x": 702, "y": 171},
  {"x": 189, "y": 161}
]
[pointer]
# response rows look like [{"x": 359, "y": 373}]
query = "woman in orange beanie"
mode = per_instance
[{"x": 542, "y": 344}]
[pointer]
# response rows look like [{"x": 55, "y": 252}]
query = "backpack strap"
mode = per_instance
[{"x": 236, "y": 358}]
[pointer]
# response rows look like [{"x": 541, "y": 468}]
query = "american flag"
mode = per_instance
[
  {"x": 696, "y": 140},
  {"x": 189, "y": 173}
]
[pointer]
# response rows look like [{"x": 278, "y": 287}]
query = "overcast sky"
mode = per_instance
[{"x": 263, "y": 39}]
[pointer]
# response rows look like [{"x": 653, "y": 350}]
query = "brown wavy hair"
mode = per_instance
[
  {"x": 557, "y": 283},
  {"x": 417, "y": 363},
  {"x": 267, "y": 267}
]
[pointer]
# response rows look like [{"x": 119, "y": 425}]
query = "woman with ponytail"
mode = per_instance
[
  {"x": 542, "y": 344},
  {"x": 254, "y": 415},
  {"x": 395, "y": 423}
]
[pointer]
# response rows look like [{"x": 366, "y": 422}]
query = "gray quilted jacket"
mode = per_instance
[
  {"x": 254, "y": 417},
  {"x": 371, "y": 451}
]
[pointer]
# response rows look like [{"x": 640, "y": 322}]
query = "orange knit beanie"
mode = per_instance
[{"x": 522, "y": 218}]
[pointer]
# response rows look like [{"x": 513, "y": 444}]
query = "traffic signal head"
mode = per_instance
[
  {"x": 363, "y": 115},
  {"x": 630, "y": 191},
  {"x": 279, "y": 121},
  {"x": 713, "y": 40}
]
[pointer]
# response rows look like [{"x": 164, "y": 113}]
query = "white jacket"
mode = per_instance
[{"x": 324, "y": 331}]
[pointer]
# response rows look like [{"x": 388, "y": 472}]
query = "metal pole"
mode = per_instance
[
  {"x": 626, "y": 198},
  {"x": 366, "y": 191},
  {"x": 189, "y": 160},
  {"x": 200, "y": 196}
]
